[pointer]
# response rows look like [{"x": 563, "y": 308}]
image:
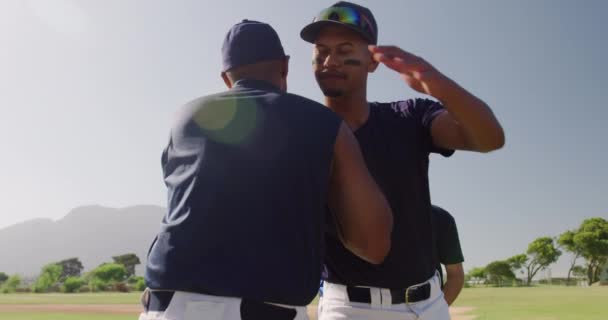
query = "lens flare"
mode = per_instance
[{"x": 229, "y": 121}]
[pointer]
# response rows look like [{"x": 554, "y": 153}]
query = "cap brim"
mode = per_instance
[{"x": 311, "y": 31}]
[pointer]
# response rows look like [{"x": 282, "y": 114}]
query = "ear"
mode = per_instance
[
  {"x": 372, "y": 66},
  {"x": 285, "y": 70},
  {"x": 226, "y": 80}
]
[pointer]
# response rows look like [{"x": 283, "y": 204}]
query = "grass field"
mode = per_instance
[
  {"x": 62, "y": 316},
  {"x": 538, "y": 303},
  {"x": 30, "y": 303},
  {"x": 62, "y": 298}
]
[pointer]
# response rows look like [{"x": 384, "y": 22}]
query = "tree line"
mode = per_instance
[
  {"x": 588, "y": 243},
  {"x": 67, "y": 276}
]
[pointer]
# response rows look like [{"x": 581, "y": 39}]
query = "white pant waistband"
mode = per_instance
[
  {"x": 188, "y": 305},
  {"x": 379, "y": 296}
]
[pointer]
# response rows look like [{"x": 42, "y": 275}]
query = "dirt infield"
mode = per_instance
[{"x": 456, "y": 312}]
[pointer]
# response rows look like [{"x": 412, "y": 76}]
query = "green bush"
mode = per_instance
[
  {"x": 48, "y": 277},
  {"x": 96, "y": 285},
  {"x": 137, "y": 283},
  {"x": 110, "y": 272},
  {"x": 11, "y": 284},
  {"x": 107, "y": 277},
  {"x": 140, "y": 285},
  {"x": 72, "y": 284},
  {"x": 134, "y": 279}
]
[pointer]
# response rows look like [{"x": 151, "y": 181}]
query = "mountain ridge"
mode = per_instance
[{"x": 92, "y": 233}]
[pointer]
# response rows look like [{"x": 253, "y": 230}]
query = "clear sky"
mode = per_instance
[{"x": 88, "y": 89}]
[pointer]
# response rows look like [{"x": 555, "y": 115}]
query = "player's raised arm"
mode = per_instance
[{"x": 467, "y": 124}]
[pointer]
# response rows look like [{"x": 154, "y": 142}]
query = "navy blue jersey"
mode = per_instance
[
  {"x": 247, "y": 173},
  {"x": 396, "y": 143}
]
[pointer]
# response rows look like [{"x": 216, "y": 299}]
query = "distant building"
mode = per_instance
[{"x": 604, "y": 273}]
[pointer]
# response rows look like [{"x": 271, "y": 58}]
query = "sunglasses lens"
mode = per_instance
[{"x": 344, "y": 15}]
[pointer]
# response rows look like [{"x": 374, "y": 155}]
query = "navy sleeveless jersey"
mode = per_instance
[
  {"x": 396, "y": 143},
  {"x": 247, "y": 173}
]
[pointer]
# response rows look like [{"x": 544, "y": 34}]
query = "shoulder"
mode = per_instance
[
  {"x": 442, "y": 215},
  {"x": 203, "y": 110},
  {"x": 194, "y": 106},
  {"x": 210, "y": 99},
  {"x": 303, "y": 104},
  {"x": 300, "y": 100}
]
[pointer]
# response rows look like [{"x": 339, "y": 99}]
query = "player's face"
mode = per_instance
[{"x": 341, "y": 61}]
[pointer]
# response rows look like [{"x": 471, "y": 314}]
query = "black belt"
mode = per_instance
[
  {"x": 250, "y": 310},
  {"x": 409, "y": 295}
]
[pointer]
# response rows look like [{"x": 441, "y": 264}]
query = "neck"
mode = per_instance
[
  {"x": 353, "y": 108},
  {"x": 275, "y": 81}
]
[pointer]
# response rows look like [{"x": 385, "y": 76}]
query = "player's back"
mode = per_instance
[{"x": 247, "y": 172}]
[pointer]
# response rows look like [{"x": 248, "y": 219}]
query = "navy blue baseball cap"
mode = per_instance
[
  {"x": 250, "y": 42},
  {"x": 352, "y": 16}
]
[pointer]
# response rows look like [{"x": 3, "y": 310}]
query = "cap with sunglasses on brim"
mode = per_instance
[
  {"x": 249, "y": 42},
  {"x": 352, "y": 16}
]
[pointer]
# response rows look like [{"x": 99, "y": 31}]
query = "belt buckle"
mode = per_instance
[
  {"x": 407, "y": 292},
  {"x": 407, "y": 295}
]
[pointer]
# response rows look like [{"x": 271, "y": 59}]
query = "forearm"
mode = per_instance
[
  {"x": 366, "y": 225},
  {"x": 452, "y": 289},
  {"x": 475, "y": 117},
  {"x": 364, "y": 216}
]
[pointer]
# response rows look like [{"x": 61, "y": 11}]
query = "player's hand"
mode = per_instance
[{"x": 419, "y": 74}]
